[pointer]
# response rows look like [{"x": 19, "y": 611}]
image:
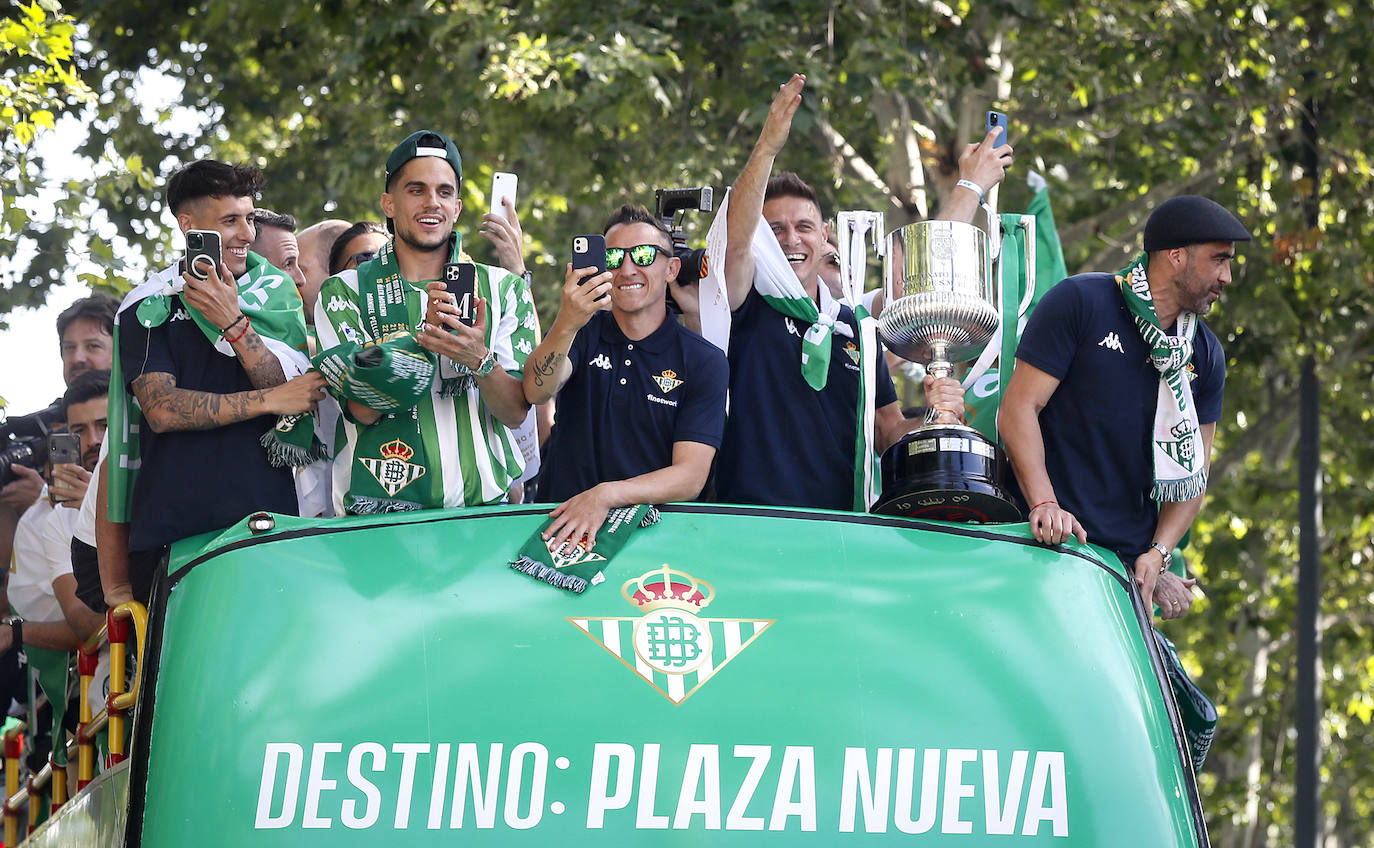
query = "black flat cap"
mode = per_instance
[{"x": 1190, "y": 219}]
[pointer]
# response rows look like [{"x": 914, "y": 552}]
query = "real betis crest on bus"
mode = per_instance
[{"x": 669, "y": 644}]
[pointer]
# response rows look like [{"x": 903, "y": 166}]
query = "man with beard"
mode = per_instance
[
  {"x": 1127, "y": 471},
  {"x": 429, "y": 401}
]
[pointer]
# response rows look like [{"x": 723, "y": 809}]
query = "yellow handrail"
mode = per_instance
[{"x": 113, "y": 715}]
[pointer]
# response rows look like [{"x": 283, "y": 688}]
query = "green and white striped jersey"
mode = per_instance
[{"x": 478, "y": 456}]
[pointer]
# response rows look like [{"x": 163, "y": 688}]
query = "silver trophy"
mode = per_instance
[{"x": 942, "y": 309}]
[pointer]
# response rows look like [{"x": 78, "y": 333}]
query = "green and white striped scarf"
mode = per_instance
[
  {"x": 436, "y": 444},
  {"x": 1180, "y": 468},
  {"x": 268, "y": 296}
]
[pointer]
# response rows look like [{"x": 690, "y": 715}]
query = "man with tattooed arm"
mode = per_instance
[{"x": 209, "y": 385}]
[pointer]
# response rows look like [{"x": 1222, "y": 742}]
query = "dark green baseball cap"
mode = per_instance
[{"x": 423, "y": 143}]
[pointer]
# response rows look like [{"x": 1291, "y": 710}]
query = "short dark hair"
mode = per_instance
[
  {"x": 280, "y": 220},
  {"x": 88, "y": 385},
  {"x": 100, "y": 308},
  {"x": 336, "y": 257},
  {"x": 634, "y": 213},
  {"x": 788, "y": 184},
  {"x": 211, "y": 178}
]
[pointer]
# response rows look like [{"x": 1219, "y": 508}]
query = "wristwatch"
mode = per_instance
[
  {"x": 486, "y": 366},
  {"x": 17, "y": 625},
  {"x": 1164, "y": 552}
]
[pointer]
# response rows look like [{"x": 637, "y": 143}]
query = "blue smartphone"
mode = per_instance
[{"x": 997, "y": 121}]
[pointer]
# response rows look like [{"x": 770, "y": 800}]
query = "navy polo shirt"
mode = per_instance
[
  {"x": 627, "y": 402},
  {"x": 196, "y": 481},
  {"x": 1099, "y": 423},
  {"x": 787, "y": 444}
]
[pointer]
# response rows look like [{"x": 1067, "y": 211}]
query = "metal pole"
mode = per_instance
[{"x": 1307, "y": 786}]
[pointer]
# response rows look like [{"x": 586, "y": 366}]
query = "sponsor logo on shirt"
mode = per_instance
[
  {"x": 524, "y": 346},
  {"x": 336, "y": 304},
  {"x": 600, "y": 361},
  {"x": 657, "y": 399},
  {"x": 1112, "y": 341},
  {"x": 180, "y": 315},
  {"x": 667, "y": 381},
  {"x": 792, "y": 327}
]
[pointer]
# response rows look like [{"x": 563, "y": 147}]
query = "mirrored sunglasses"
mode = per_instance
[{"x": 642, "y": 255}]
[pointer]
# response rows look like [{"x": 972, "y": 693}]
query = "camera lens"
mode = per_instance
[{"x": 193, "y": 239}]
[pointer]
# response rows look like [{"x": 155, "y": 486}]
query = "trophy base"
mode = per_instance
[{"x": 945, "y": 472}]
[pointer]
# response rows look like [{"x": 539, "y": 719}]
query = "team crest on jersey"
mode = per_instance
[
  {"x": 667, "y": 381},
  {"x": 853, "y": 351},
  {"x": 394, "y": 471},
  {"x": 669, "y": 644}
]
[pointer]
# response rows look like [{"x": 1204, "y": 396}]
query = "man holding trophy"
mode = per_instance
[
  {"x": 797, "y": 433},
  {"x": 1109, "y": 415}
]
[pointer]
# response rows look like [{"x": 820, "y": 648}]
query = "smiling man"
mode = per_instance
[
  {"x": 209, "y": 383},
  {"x": 641, "y": 399},
  {"x": 793, "y": 437},
  {"x": 1128, "y": 472},
  {"x": 429, "y": 400}
]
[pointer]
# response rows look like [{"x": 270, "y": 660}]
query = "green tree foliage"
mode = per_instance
[
  {"x": 1260, "y": 105},
  {"x": 37, "y": 84}
]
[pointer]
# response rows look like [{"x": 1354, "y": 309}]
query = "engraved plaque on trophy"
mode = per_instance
[{"x": 942, "y": 309}]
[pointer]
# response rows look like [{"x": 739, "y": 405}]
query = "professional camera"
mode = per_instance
[
  {"x": 667, "y": 203},
  {"x": 23, "y": 440}
]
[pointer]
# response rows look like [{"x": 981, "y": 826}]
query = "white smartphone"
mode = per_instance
[{"x": 502, "y": 186}]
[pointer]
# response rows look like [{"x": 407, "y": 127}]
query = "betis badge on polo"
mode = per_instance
[{"x": 669, "y": 644}]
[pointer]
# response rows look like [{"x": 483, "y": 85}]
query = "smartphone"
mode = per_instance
[
  {"x": 63, "y": 449},
  {"x": 997, "y": 121},
  {"x": 589, "y": 251},
  {"x": 460, "y": 278},
  {"x": 502, "y": 186},
  {"x": 202, "y": 246}
]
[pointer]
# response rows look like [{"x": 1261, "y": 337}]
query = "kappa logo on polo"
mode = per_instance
[
  {"x": 669, "y": 645},
  {"x": 667, "y": 381},
  {"x": 337, "y": 304},
  {"x": 180, "y": 315},
  {"x": 394, "y": 471},
  {"x": 1112, "y": 341},
  {"x": 600, "y": 361},
  {"x": 792, "y": 327}
]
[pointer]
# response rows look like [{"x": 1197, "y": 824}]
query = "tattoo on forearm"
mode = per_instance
[
  {"x": 262, "y": 366},
  {"x": 183, "y": 409},
  {"x": 548, "y": 368}
]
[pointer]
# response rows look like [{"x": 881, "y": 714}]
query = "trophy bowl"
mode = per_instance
[
  {"x": 941, "y": 294},
  {"x": 942, "y": 309}
]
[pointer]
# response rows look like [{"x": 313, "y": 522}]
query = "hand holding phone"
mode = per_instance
[
  {"x": 997, "y": 121},
  {"x": 503, "y": 186},
  {"x": 63, "y": 449},
  {"x": 589, "y": 251},
  {"x": 202, "y": 246},
  {"x": 460, "y": 278}
]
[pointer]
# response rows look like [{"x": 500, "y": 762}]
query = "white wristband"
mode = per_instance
[{"x": 971, "y": 186}]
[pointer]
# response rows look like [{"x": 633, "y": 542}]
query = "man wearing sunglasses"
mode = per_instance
[{"x": 641, "y": 399}]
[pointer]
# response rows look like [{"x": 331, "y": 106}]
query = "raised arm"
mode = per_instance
[
  {"x": 548, "y": 368},
  {"x": 746, "y": 199},
  {"x": 445, "y": 334},
  {"x": 983, "y": 165}
]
